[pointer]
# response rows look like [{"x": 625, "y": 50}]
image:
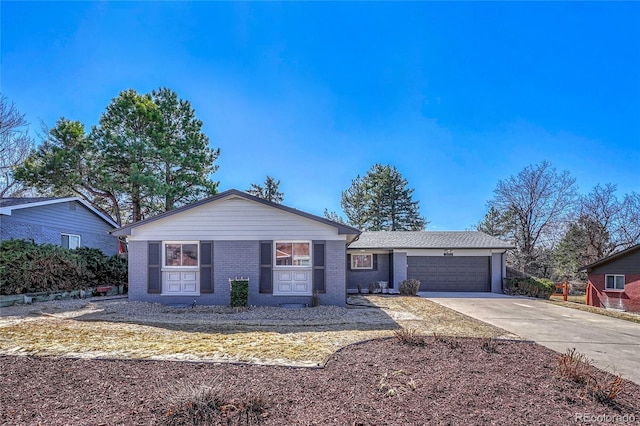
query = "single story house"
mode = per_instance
[
  {"x": 614, "y": 282},
  {"x": 189, "y": 254},
  {"x": 440, "y": 260},
  {"x": 70, "y": 222}
]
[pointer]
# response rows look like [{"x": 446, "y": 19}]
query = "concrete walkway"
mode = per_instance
[{"x": 612, "y": 344}]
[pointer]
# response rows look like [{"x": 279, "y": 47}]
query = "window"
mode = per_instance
[
  {"x": 362, "y": 261},
  {"x": 292, "y": 253},
  {"x": 614, "y": 282},
  {"x": 180, "y": 254},
  {"x": 70, "y": 241}
]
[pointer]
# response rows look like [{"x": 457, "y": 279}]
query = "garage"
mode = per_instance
[{"x": 450, "y": 273}]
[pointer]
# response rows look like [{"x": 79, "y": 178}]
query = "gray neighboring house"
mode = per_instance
[
  {"x": 189, "y": 254},
  {"x": 441, "y": 260},
  {"x": 70, "y": 222}
]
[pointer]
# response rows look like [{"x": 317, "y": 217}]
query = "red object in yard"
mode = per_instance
[{"x": 565, "y": 290}]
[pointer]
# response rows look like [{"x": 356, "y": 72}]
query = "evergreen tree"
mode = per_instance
[
  {"x": 496, "y": 224},
  {"x": 381, "y": 200},
  {"x": 333, "y": 216},
  {"x": 148, "y": 155},
  {"x": 268, "y": 192}
]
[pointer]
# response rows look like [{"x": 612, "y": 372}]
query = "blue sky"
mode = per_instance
[{"x": 455, "y": 95}]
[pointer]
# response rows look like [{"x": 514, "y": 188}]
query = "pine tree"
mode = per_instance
[
  {"x": 268, "y": 192},
  {"x": 382, "y": 201}
]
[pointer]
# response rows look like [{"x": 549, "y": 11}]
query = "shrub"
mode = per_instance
[
  {"x": 26, "y": 267},
  {"x": 315, "y": 299},
  {"x": 239, "y": 292},
  {"x": 409, "y": 287},
  {"x": 533, "y": 287},
  {"x": 577, "y": 367},
  {"x": 409, "y": 336},
  {"x": 198, "y": 404},
  {"x": 374, "y": 288}
]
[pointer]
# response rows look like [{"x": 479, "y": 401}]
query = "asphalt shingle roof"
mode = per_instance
[
  {"x": 10, "y": 202},
  {"x": 428, "y": 239}
]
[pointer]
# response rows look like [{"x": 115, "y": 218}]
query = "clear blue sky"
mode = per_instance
[{"x": 456, "y": 95}]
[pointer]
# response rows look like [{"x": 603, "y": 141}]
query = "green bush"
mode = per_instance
[
  {"x": 239, "y": 293},
  {"x": 409, "y": 287},
  {"x": 26, "y": 267},
  {"x": 533, "y": 287}
]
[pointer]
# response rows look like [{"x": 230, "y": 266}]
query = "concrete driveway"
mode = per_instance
[{"x": 612, "y": 344}]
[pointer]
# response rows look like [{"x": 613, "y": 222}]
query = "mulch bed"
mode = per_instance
[{"x": 457, "y": 381}]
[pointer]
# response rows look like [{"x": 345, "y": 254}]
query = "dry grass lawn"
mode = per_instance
[{"x": 95, "y": 332}]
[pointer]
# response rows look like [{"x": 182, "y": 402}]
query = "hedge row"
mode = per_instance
[
  {"x": 532, "y": 287},
  {"x": 26, "y": 267}
]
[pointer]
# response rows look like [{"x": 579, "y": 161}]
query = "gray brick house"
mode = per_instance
[
  {"x": 441, "y": 260},
  {"x": 189, "y": 254},
  {"x": 70, "y": 222}
]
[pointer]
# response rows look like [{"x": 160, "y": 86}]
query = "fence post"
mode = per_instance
[{"x": 565, "y": 290}]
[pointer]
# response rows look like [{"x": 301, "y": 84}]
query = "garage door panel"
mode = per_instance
[{"x": 450, "y": 273}]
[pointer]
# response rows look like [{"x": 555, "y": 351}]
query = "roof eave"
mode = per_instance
[{"x": 609, "y": 258}]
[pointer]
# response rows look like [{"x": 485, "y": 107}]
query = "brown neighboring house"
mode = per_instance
[{"x": 614, "y": 282}]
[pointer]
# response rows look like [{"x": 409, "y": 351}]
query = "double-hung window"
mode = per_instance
[{"x": 614, "y": 282}]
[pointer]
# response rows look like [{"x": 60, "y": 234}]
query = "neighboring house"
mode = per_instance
[
  {"x": 614, "y": 282},
  {"x": 441, "y": 260},
  {"x": 190, "y": 254},
  {"x": 70, "y": 222}
]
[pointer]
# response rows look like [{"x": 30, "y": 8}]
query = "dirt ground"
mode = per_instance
[{"x": 449, "y": 381}]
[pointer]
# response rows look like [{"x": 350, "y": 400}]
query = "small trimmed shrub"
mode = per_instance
[
  {"x": 239, "y": 293},
  {"x": 374, "y": 288},
  {"x": 409, "y": 287},
  {"x": 533, "y": 287}
]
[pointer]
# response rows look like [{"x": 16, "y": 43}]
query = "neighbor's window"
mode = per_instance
[
  {"x": 291, "y": 253},
  {"x": 70, "y": 241},
  {"x": 362, "y": 261},
  {"x": 614, "y": 282},
  {"x": 181, "y": 254}
]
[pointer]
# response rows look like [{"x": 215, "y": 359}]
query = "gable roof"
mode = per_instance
[
  {"x": 342, "y": 229},
  {"x": 611, "y": 257},
  {"x": 8, "y": 205},
  {"x": 428, "y": 240}
]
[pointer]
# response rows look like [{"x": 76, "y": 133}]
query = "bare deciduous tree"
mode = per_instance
[
  {"x": 619, "y": 219},
  {"x": 15, "y": 146},
  {"x": 539, "y": 201}
]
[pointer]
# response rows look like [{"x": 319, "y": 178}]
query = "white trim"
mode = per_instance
[
  {"x": 71, "y": 235},
  {"x": 275, "y": 257},
  {"x": 8, "y": 209},
  {"x": 614, "y": 282},
  {"x": 164, "y": 254}
]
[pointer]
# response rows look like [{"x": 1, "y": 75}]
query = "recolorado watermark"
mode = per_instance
[{"x": 605, "y": 418}]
